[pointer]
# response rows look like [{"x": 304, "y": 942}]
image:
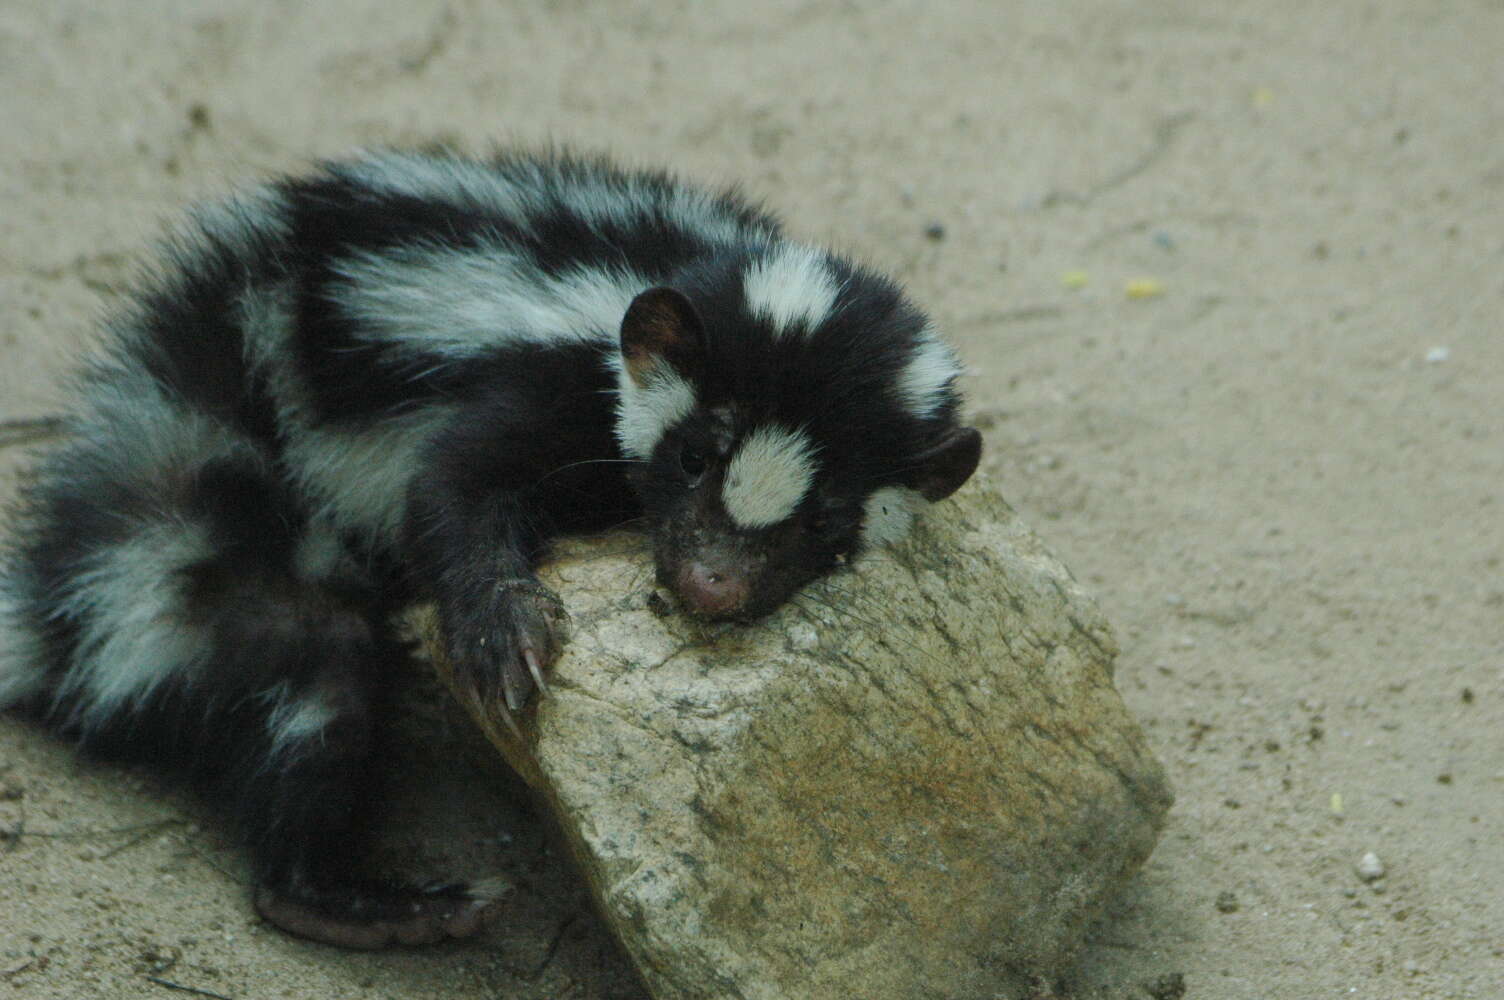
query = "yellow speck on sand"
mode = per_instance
[
  {"x": 1336, "y": 803},
  {"x": 1262, "y": 97},
  {"x": 1144, "y": 288},
  {"x": 1074, "y": 279}
]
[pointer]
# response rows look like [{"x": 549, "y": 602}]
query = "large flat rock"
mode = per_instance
[{"x": 917, "y": 780}]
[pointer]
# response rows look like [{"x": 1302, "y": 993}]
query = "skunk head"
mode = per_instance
[{"x": 787, "y": 409}]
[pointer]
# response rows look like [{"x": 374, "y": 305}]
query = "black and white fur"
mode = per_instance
[{"x": 410, "y": 371}]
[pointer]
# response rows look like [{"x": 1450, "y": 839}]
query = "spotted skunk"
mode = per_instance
[{"x": 404, "y": 374}]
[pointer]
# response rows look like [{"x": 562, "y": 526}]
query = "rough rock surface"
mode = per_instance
[{"x": 916, "y": 780}]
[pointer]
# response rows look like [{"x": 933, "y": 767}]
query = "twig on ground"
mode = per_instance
[{"x": 169, "y": 984}]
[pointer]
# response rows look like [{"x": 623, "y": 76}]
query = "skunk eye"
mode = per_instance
[{"x": 692, "y": 462}]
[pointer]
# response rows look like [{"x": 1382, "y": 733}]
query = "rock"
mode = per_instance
[
  {"x": 915, "y": 780},
  {"x": 1370, "y": 868}
]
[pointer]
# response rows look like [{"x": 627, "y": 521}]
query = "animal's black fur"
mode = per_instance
[{"x": 411, "y": 371}]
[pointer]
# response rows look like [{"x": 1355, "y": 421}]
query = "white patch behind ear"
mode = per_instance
[
  {"x": 768, "y": 476},
  {"x": 645, "y": 413},
  {"x": 889, "y": 514},
  {"x": 792, "y": 287}
]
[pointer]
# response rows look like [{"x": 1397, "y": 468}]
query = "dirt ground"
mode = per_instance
[{"x": 1230, "y": 279}]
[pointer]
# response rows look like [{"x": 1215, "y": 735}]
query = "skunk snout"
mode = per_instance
[{"x": 712, "y": 590}]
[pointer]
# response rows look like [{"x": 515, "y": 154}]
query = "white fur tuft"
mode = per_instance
[
  {"x": 768, "y": 476},
  {"x": 241, "y": 223},
  {"x": 458, "y": 181},
  {"x": 297, "y": 720},
  {"x": 356, "y": 478},
  {"x": 359, "y": 478},
  {"x": 930, "y": 370},
  {"x": 133, "y": 634},
  {"x": 791, "y": 288},
  {"x": 889, "y": 514},
  {"x": 455, "y": 303},
  {"x": 645, "y": 413},
  {"x": 631, "y": 201},
  {"x": 134, "y": 430}
]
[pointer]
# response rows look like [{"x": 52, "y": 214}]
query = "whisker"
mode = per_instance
[{"x": 589, "y": 461}]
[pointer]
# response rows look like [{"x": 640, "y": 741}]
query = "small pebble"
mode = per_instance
[
  {"x": 1227, "y": 902},
  {"x": 1370, "y": 868},
  {"x": 934, "y": 232},
  {"x": 1437, "y": 355},
  {"x": 1144, "y": 288}
]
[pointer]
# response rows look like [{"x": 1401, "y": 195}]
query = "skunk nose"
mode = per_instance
[{"x": 712, "y": 591}]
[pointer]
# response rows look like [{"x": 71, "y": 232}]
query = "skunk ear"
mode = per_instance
[
  {"x": 661, "y": 327},
  {"x": 939, "y": 472}
]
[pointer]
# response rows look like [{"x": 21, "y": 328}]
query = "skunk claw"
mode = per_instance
[
  {"x": 514, "y": 697},
  {"x": 536, "y": 669},
  {"x": 509, "y": 721}
]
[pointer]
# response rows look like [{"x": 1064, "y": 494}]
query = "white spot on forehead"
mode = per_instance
[
  {"x": 770, "y": 473},
  {"x": 645, "y": 413},
  {"x": 791, "y": 287},
  {"x": 923, "y": 381}
]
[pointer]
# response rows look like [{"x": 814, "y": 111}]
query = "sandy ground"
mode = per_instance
[{"x": 1281, "y": 474}]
